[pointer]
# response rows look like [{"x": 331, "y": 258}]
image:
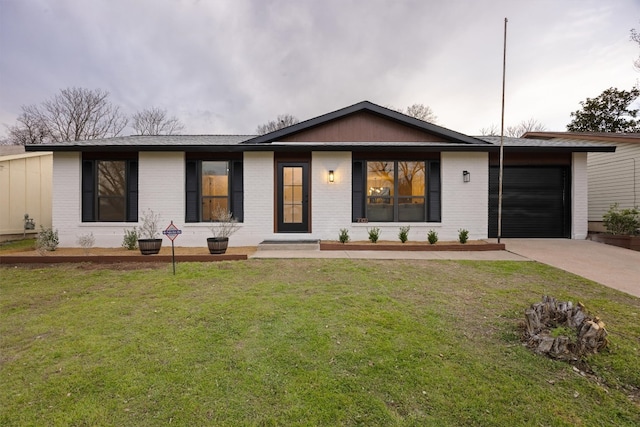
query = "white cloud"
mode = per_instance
[{"x": 226, "y": 67}]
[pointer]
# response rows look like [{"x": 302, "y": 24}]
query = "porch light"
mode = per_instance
[
  {"x": 331, "y": 176},
  {"x": 466, "y": 176}
]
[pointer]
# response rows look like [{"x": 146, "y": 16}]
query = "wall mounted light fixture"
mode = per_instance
[
  {"x": 331, "y": 176},
  {"x": 466, "y": 176}
]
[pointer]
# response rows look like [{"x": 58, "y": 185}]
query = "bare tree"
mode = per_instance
[
  {"x": 282, "y": 121},
  {"x": 418, "y": 111},
  {"x": 74, "y": 114},
  {"x": 492, "y": 130},
  {"x": 154, "y": 121},
  {"x": 530, "y": 125},
  {"x": 635, "y": 36}
]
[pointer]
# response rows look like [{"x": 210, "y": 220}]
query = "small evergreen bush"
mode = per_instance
[
  {"x": 344, "y": 235},
  {"x": 463, "y": 235},
  {"x": 130, "y": 240},
  {"x": 374, "y": 234},
  {"x": 432, "y": 237},
  {"x": 404, "y": 234}
]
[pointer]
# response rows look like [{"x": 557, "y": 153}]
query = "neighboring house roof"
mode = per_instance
[
  {"x": 586, "y": 136},
  {"x": 8, "y": 150},
  {"x": 529, "y": 144}
]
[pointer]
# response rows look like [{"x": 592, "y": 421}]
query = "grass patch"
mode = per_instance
[
  {"x": 18, "y": 245},
  {"x": 303, "y": 342}
]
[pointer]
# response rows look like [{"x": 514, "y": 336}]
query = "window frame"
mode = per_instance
[
  {"x": 193, "y": 187},
  {"x": 90, "y": 197},
  {"x": 431, "y": 197}
]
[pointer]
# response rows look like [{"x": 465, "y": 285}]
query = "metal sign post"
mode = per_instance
[{"x": 172, "y": 232}]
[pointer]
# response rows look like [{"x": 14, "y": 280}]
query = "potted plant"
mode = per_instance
[
  {"x": 148, "y": 241},
  {"x": 224, "y": 225}
]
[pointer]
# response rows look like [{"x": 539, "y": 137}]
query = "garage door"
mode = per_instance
[{"x": 535, "y": 202}]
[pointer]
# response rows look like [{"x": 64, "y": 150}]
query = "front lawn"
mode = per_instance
[{"x": 304, "y": 342}]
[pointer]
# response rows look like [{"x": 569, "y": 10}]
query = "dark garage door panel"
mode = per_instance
[{"x": 535, "y": 202}]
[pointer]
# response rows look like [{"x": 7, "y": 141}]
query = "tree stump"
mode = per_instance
[{"x": 562, "y": 330}]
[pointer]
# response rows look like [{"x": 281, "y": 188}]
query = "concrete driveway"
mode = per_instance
[{"x": 611, "y": 266}]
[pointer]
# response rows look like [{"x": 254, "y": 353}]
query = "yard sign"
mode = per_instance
[{"x": 172, "y": 232}]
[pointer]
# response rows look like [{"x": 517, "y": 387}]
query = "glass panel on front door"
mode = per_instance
[{"x": 293, "y": 195}]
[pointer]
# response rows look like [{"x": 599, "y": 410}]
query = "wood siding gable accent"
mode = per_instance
[{"x": 363, "y": 127}]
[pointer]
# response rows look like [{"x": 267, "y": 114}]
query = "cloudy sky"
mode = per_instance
[{"x": 226, "y": 66}]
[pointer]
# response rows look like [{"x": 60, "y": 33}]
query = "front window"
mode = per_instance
[
  {"x": 213, "y": 186},
  {"x": 215, "y": 189},
  {"x": 111, "y": 190},
  {"x": 109, "y": 187},
  {"x": 396, "y": 191}
]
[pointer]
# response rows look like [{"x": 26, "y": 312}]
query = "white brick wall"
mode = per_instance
[
  {"x": 579, "y": 197},
  {"x": 258, "y": 170},
  {"x": 331, "y": 202},
  {"x": 465, "y": 204},
  {"x": 66, "y": 199},
  {"x": 161, "y": 188}
]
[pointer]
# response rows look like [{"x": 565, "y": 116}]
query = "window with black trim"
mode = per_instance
[
  {"x": 109, "y": 188},
  {"x": 213, "y": 185},
  {"x": 396, "y": 191}
]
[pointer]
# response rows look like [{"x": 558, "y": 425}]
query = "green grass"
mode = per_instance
[
  {"x": 304, "y": 342},
  {"x": 18, "y": 245}
]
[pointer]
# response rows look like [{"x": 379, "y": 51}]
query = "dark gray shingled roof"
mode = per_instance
[
  {"x": 453, "y": 141},
  {"x": 525, "y": 144}
]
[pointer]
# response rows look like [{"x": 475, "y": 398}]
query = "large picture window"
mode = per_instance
[
  {"x": 213, "y": 186},
  {"x": 396, "y": 191},
  {"x": 109, "y": 189}
]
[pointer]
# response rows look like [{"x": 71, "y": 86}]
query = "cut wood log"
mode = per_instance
[{"x": 563, "y": 330}]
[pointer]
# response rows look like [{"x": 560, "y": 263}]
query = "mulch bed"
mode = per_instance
[{"x": 475, "y": 245}]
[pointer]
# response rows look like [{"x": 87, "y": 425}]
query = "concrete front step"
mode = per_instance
[{"x": 289, "y": 245}]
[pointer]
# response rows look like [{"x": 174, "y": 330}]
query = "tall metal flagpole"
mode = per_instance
[{"x": 504, "y": 66}]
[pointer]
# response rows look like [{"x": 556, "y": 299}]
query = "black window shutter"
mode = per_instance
[
  {"x": 88, "y": 190},
  {"x": 132, "y": 191},
  {"x": 357, "y": 191},
  {"x": 237, "y": 194},
  {"x": 434, "y": 192},
  {"x": 191, "y": 191}
]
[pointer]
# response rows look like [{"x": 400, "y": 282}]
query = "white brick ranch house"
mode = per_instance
[{"x": 355, "y": 168}]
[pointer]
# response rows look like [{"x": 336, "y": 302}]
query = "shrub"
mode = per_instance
[
  {"x": 344, "y": 235},
  {"x": 463, "y": 235},
  {"x": 432, "y": 237},
  {"x": 47, "y": 239},
  {"x": 86, "y": 241},
  {"x": 374, "y": 234},
  {"x": 130, "y": 240},
  {"x": 149, "y": 227},
  {"x": 224, "y": 225},
  {"x": 625, "y": 221},
  {"x": 404, "y": 233}
]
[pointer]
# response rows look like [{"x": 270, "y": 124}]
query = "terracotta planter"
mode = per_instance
[
  {"x": 149, "y": 246},
  {"x": 217, "y": 245},
  {"x": 622, "y": 241}
]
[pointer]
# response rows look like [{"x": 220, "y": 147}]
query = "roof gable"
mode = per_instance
[{"x": 365, "y": 122}]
